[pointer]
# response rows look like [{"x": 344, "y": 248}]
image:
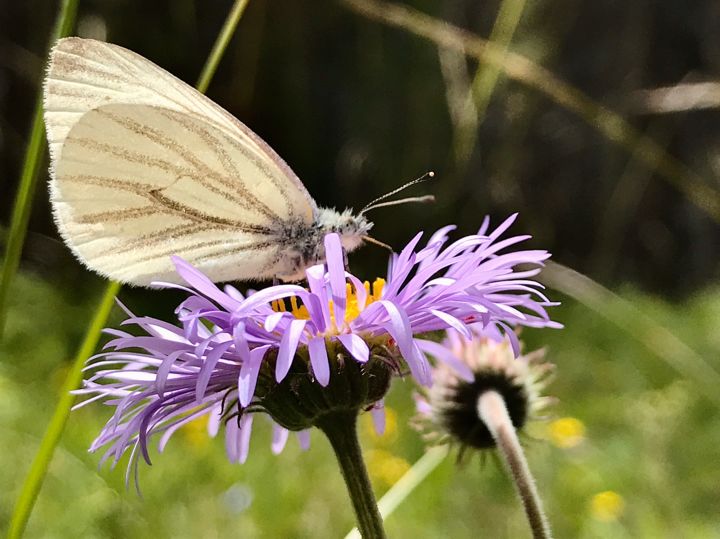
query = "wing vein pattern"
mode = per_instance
[{"x": 143, "y": 167}]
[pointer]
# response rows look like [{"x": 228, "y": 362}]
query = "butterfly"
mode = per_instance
[{"x": 143, "y": 166}]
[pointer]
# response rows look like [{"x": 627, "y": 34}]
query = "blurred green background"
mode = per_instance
[{"x": 357, "y": 108}]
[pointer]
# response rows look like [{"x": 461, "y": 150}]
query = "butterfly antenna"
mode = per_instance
[
  {"x": 426, "y": 198},
  {"x": 374, "y": 204},
  {"x": 370, "y": 239}
]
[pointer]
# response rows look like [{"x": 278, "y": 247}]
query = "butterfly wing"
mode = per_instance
[{"x": 144, "y": 166}]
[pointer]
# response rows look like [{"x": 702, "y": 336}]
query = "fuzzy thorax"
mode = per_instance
[{"x": 304, "y": 246}]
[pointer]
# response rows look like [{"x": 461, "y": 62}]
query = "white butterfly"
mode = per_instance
[{"x": 143, "y": 167}]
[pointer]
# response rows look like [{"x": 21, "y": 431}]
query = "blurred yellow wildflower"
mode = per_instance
[
  {"x": 607, "y": 506},
  {"x": 391, "y": 430},
  {"x": 384, "y": 467},
  {"x": 566, "y": 432},
  {"x": 196, "y": 433}
]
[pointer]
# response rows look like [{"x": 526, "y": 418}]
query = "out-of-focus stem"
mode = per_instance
[
  {"x": 220, "y": 46},
  {"x": 493, "y": 412},
  {"x": 502, "y": 33},
  {"x": 486, "y": 79}
]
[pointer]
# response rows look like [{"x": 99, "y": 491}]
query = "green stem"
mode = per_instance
[
  {"x": 34, "y": 155},
  {"x": 38, "y": 470},
  {"x": 405, "y": 486},
  {"x": 493, "y": 412},
  {"x": 220, "y": 46},
  {"x": 340, "y": 429}
]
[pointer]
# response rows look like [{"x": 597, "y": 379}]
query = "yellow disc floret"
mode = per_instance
[{"x": 352, "y": 309}]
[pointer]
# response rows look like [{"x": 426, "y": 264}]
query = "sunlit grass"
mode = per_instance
[
  {"x": 73, "y": 378},
  {"x": 638, "y": 325}
]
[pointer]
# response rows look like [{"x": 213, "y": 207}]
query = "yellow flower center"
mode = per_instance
[{"x": 352, "y": 308}]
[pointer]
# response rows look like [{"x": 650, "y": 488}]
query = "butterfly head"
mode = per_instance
[{"x": 351, "y": 228}]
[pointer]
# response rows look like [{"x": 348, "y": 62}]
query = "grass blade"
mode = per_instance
[
  {"x": 468, "y": 100},
  {"x": 502, "y": 33},
  {"x": 38, "y": 469},
  {"x": 654, "y": 336},
  {"x": 220, "y": 45},
  {"x": 34, "y": 156}
]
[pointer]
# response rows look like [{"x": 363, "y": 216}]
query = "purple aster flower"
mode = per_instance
[{"x": 296, "y": 352}]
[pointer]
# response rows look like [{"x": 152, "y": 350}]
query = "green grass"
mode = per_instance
[{"x": 650, "y": 436}]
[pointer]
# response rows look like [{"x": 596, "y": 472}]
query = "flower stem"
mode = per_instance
[
  {"x": 493, "y": 412},
  {"x": 405, "y": 486},
  {"x": 340, "y": 429}
]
